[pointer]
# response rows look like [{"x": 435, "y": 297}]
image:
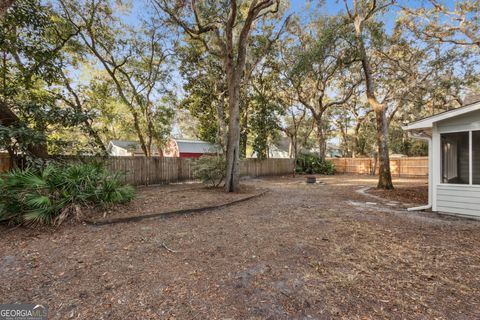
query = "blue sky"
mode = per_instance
[
  {"x": 301, "y": 8},
  {"x": 333, "y": 7}
]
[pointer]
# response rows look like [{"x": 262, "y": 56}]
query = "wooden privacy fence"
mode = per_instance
[
  {"x": 400, "y": 167},
  {"x": 267, "y": 167},
  {"x": 163, "y": 170},
  {"x": 157, "y": 170}
]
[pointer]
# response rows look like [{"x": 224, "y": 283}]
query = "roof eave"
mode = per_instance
[
  {"x": 418, "y": 126},
  {"x": 428, "y": 122}
]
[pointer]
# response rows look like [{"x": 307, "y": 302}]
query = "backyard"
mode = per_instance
[{"x": 328, "y": 250}]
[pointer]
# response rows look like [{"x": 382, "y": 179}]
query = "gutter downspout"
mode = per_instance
[
  {"x": 424, "y": 136},
  {"x": 421, "y": 208}
]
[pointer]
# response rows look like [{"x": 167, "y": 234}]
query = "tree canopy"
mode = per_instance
[{"x": 253, "y": 76}]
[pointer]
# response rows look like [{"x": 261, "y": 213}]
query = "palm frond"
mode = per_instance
[{"x": 46, "y": 197}]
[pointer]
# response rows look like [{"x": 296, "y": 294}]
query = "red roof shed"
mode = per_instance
[{"x": 184, "y": 148}]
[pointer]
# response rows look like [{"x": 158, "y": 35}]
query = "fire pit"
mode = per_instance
[{"x": 311, "y": 179}]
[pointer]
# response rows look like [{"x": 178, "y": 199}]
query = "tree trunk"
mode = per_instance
[
  {"x": 295, "y": 147},
  {"x": 222, "y": 136},
  {"x": 346, "y": 148},
  {"x": 232, "y": 180},
  {"x": 149, "y": 147},
  {"x": 290, "y": 146},
  {"x": 355, "y": 141},
  {"x": 295, "y": 153},
  {"x": 322, "y": 146},
  {"x": 234, "y": 72},
  {"x": 94, "y": 134},
  {"x": 385, "y": 176},
  {"x": 243, "y": 131}
]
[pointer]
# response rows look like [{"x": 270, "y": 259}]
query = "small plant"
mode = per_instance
[
  {"x": 50, "y": 195},
  {"x": 313, "y": 164},
  {"x": 211, "y": 169}
]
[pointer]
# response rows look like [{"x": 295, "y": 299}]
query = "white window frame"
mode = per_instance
[{"x": 470, "y": 159}]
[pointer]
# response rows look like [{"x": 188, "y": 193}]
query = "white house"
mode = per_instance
[
  {"x": 454, "y": 159},
  {"x": 125, "y": 148},
  {"x": 185, "y": 148},
  {"x": 277, "y": 152},
  {"x": 174, "y": 148}
]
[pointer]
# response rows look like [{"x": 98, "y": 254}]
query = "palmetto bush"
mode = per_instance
[
  {"x": 210, "y": 169},
  {"x": 313, "y": 164},
  {"x": 48, "y": 196}
]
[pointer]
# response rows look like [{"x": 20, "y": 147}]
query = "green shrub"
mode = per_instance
[
  {"x": 48, "y": 196},
  {"x": 211, "y": 169},
  {"x": 313, "y": 164}
]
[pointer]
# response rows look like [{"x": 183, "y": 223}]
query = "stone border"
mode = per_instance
[
  {"x": 385, "y": 202},
  {"x": 170, "y": 214}
]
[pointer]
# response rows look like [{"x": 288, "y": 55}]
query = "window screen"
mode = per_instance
[
  {"x": 455, "y": 158},
  {"x": 476, "y": 157}
]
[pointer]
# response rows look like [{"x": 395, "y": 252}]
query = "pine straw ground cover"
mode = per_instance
[
  {"x": 412, "y": 193},
  {"x": 164, "y": 199},
  {"x": 300, "y": 251}
]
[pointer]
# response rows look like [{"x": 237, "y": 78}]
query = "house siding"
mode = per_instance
[
  {"x": 455, "y": 198},
  {"x": 120, "y": 152},
  {"x": 464, "y": 200}
]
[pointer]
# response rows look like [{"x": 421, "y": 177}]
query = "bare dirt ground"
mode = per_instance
[{"x": 301, "y": 251}]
